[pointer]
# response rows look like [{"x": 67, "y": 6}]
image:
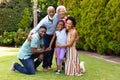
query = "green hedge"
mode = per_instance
[
  {"x": 98, "y": 24},
  {"x": 11, "y": 13}
]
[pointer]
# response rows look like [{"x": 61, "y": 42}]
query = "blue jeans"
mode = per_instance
[{"x": 29, "y": 65}]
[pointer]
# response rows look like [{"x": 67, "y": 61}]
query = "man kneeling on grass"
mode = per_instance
[{"x": 29, "y": 51}]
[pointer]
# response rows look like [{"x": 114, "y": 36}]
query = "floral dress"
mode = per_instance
[{"x": 72, "y": 64}]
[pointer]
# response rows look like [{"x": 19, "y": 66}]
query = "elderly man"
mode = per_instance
[{"x": 50, "y": 22}]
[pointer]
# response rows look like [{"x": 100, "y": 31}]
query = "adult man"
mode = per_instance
[
  {"x": 49, "y": 22},
  {"x": 29, "y": 51}
]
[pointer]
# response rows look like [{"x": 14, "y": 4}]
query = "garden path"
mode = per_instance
[{"x": 109, "y": 58}]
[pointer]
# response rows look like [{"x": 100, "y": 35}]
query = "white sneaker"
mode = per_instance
[{"x": 58, "y": 72}]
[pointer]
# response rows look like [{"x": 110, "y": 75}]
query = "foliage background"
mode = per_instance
[
  {"x": 16, "y": 19},
  {"x": 11, "y": 13},
  {"x": 98, "y": 24},
  {"x": 98, "y": 21}
]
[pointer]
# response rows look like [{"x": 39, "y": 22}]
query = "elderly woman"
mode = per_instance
[{"x": 61, "y": 11}]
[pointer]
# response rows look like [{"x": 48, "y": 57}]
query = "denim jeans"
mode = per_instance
[{"x": 29, "y": 65}]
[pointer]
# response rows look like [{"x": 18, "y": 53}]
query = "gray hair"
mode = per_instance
[
  {"x": 59, "y": 7},
  {"x": 50, "y": 7}
]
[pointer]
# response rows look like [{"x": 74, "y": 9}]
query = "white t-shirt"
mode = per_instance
[{"x": 61, "y": 36}]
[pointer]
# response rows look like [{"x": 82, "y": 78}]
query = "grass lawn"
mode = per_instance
[{"x": 96, "y": 69}]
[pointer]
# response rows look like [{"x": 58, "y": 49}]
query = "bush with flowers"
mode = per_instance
[
  {"x": 23, "y": 28},
  {"x": 20, "y": 38},
  {"x": 17, "y": 38},
  {"x": 13, "y": 38}
]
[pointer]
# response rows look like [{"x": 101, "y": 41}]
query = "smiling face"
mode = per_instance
[
  {"x": 60, "y": 25},
  {"x": 61, "y": 13},
  {"x": 51, "y": 12},
  {"x": 42, "y": 32},
  {"x": 69, "y": 25}
]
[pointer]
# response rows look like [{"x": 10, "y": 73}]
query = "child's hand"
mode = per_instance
[
  {"x": 58, "y": 45},
  {"x": 48, "y": 49}
]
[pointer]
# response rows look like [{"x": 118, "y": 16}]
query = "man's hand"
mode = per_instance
[
  {"x": 40, "y": 57},
  {"x": 29, "y": 37}
]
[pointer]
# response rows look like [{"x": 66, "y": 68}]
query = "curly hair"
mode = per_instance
[{"x": 72, "y": 19}]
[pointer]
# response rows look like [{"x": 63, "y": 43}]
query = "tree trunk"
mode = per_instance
[{"x": 35, "y": 12}]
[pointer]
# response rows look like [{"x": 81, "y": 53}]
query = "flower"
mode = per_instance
[{"x": 20, "y": 38}]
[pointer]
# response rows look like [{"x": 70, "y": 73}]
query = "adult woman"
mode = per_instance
[
  {"x": 72, "y": 66},
  {"x": 61, "y": 11}
]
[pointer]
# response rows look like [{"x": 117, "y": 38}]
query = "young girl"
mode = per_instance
[
  {"x": 72, "y": 64},
  {"x": 60, "y": 36}
]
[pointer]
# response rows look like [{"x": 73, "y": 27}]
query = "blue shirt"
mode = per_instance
[
  {"x": 61, "y": 36},
  {"x": 50, "y": 25},
  {"x": 25, "y": 51}
]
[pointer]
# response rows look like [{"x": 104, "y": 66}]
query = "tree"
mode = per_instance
[{"x": 35, "y": 13}]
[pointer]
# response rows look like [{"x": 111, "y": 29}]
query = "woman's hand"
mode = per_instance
[{"x": 60, "y": 45}]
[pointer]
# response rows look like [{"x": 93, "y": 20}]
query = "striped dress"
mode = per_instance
[{"x": 72, "y": 64}]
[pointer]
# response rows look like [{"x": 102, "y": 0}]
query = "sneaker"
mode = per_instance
[
  {"x": 12, "y": 69},
  {"x": 58, "y": 72}
]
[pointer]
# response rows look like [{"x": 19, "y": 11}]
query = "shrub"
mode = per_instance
[
  {"x": 24, "y": 23},
  {"x": 13, "y": 38},
  {"x": 20, "y": 38},
  {"x": 1, "y": 40},
  {"x": 115, "y": 46},
  {"x": 86, "y": 47},
  {"x": 8, "y": 38},
  {"x": 11, "y": 13}
]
